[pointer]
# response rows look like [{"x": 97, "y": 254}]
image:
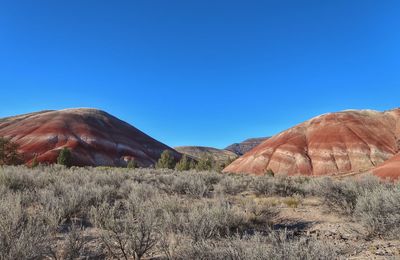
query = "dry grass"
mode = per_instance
[{"x": 48, "y": 212}]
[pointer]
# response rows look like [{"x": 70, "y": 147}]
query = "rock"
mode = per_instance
[{"x": 94, "y": 137}]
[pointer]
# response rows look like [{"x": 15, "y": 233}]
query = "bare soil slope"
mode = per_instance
[
  {"x": 94, "y": 137},
  {"x": 331, "y": 144}
]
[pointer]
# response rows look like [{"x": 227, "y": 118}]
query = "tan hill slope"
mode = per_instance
[
  {"x": 94, "y": 137},
  {"x": 246, "y": 145},
  {"x": 330, "y": 144},
  {"x": 390, "y": 168},
  {"x": 198, "y": 152}
]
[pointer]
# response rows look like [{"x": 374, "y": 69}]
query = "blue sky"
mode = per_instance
[{"x": 200, "y": 72}]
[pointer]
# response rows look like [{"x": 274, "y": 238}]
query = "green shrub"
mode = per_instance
[
  {"x": 270, "y": 173},
  {"x": 292, "y": 202},
  {"x": 65, "y": 157},
  {"x": 166, "y": 160},
  {"x": 34, "y": 162},
  {"x": 132, "y": 164},
  {"x": 184, "y": 164},
  {"x": 206, "y": 163},
  {"x": 9, "y": 153}
]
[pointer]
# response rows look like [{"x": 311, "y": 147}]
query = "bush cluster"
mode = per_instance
[
  {"x": 47, "y": 212},
  {"x": 205, "y": 163},
  {"x": 9, "y": 152},
  {"x": 372, "y": 202}
]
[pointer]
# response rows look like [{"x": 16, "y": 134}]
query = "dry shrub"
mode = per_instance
[
  {"x": 74, "y": 244},
  {"x": 260, "y": 213},
  {"x": 126, "y": 233},
  {"x": 278, "y": 245},
  {"x": 280, "y": 185},
  {"x": 22, "y": 236},
  {"x": 341, "y": 195},
  {"x": 210, "y": 219},
  {"x": 68, "y": 201},
  {"x": 292, "y": 202},
  {"x": 130, "y": 228},
  {"x": 284, "y": 245},
  {"x": 379, "y": 211},
  {"x": 233, "y": 185},
  {"x": 191, "y": 184},
  {"x": 169, "y": 214},
  {"x": 14, "y": 179}
]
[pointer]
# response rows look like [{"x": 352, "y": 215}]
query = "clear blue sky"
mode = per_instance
[{"x": 200, "y": 72}]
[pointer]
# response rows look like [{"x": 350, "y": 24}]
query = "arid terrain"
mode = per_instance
[
  {"x": 344, "y": 143},
  {"x": 91, "y": 186},
  {"x": 51, "y": 212},
  {"x": 347, "y": 142},
  {"x": 94, "y": 137},
  {"x": 197, "y": 152},
  {"x": 200, "y": 130}
]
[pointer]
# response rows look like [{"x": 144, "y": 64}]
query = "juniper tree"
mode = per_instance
[
  {"x": 34, "y": 162},
  {"x": 166, "y": 161},
  {"x": 183, "y": 164},
  {"x": 193, "y": 164},
  {"x": 132, "y": 164},
  {"x": 65, "y": 157},
  {"x": 9, "y": 152},
  {"x": 206, "y": 163},
  {"x": 270, "y": 173}
]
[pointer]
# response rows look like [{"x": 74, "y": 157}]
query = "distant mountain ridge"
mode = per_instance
[
  {"x": 246, "y": 145},
  {"x": 197, "y": 152}
]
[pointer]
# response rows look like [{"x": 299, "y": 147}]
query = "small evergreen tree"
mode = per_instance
[
  {"x": 132, "y": 164},
  {"x": 65, "y": 157},
  {"x": 193, "y": 164},
  {"x": 220, "y": 166},
  {"x": 34, "y": 162},
  {"x": 166, "y": 161},
  {"x": 206, "y": 163},
  {"x": 184, "y": 164},
  {"x": 9, "y": 152},
  {"x": 270, "y": 173},
  {"x": 230, "y": 160}
]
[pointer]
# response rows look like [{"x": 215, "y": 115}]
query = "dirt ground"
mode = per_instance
[{"x": 310, "y": 218}]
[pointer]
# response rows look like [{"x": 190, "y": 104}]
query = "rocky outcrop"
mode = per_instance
[
  {"x": 331, "y": 144},
  {"x": 94, "y": 137},
  {"x": 246, "y": 145}
]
